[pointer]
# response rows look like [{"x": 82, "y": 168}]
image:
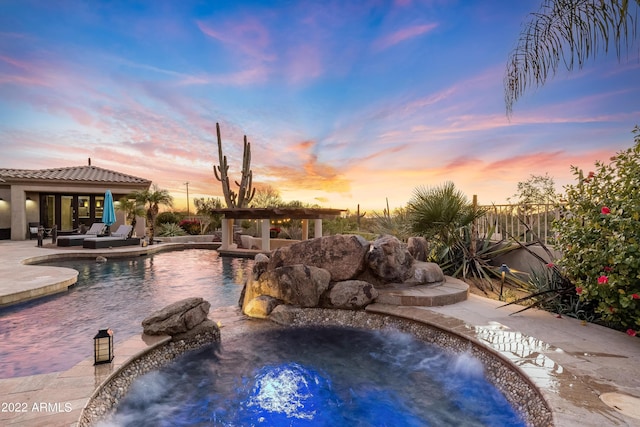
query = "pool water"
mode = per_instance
[
  {"x": 54, "y": 333},
  {"x": 316, "y": 377}
]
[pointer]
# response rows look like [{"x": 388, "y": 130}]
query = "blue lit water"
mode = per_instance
[
  {"x": 54, "y": 333},
  {"x": 317, "y": 377}
]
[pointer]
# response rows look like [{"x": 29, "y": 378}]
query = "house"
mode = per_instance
[{"x": 64, "y": 197}]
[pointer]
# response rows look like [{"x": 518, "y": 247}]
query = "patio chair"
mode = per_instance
[
  {"x": 97, "y": 228},
  {"x": 33, "y": 229}
]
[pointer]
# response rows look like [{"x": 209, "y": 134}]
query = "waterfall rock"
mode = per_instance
[
  {"x": 177, "y": 318},
  {"x": 342, "y": 255},
  {"x": 260, "y": 265},
  {"x": 418, "y": 247},
  {"x": 261, "y": 306},
  {"x": 389, "y": 259},
  {"x": 349, "y": 294},
  {"x": 299, "y": 284}
]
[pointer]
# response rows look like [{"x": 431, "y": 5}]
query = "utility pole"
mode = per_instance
[{"x": 187, "y": 184}]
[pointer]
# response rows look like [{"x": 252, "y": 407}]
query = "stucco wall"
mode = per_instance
[{"x": 522, "y": 260}]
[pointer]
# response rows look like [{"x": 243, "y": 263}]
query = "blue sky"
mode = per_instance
[{"x": 345, "y": 102}]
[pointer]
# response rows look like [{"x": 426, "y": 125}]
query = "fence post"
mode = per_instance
[{"x": 472, "y": 248}]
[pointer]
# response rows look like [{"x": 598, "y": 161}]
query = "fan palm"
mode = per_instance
[
  {"x": 441, "y": 212},
  {"x": 132, "y": 210},
  {"x": 152, "y": 199}
]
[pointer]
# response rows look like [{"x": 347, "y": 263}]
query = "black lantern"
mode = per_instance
[{"x": 103, "y": 346}]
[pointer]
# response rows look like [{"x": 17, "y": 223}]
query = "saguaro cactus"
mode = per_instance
[{"x": 245, "y": 190}]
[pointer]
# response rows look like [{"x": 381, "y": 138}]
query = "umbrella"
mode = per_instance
[{"x": 109, "y": 211}]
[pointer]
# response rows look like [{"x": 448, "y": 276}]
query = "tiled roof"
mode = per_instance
[{"x": 75, "y": 173}]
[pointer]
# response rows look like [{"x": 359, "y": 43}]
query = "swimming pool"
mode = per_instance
[
  {"x": 317, "y": 376},
  {"x": 54, "y": 333}
]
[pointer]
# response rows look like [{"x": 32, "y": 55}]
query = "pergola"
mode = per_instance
[{"x": 265, "y": 215}]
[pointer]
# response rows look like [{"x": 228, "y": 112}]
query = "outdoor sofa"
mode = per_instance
[
  {"x": 96, "y": 229},
  {"x": 117, "y": 238}
]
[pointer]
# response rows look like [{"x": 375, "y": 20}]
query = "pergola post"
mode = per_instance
[
  {"x": 305, "y": 229},
  {"x": 227, "y": 233},
  {"x": 224, "y": 244},
  {"x": 317, "y": 227},
  {"x": 264, "y": 233}
]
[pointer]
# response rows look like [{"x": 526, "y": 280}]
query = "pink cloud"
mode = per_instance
[
  {"x": 304, "y": 63},
  {"x": 257, "y": 74},
  {"x": 402, "y": 35},
  {"x": 248, "y": 37}
]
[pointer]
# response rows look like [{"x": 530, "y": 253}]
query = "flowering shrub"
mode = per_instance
[
  {"x": 192, "y": 227},
  {"x": 599, "y": 236}
]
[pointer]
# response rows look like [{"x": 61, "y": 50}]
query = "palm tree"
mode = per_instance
[
  {"x": 152, "y": 199},
  {"x": 132, "y": 210},
  {"x": 569, "y": 32},
  {"x": 441, "y": 212}
]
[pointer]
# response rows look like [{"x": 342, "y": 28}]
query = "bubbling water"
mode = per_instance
[{"x": 317, "y": 377}]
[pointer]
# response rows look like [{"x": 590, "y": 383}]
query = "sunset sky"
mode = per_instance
[{"x": 344, "y": 102}]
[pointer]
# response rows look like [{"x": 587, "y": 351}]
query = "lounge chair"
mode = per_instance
[
  {"x": 117, "y": 238},
  {"x": 96, "y": 230}
]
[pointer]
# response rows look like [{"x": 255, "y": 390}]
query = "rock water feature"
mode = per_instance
[
  {"x": 341, "y": 271},
  {"x": 316, "y": 369}
]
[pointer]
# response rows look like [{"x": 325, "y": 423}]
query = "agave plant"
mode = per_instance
[
  {"x": 171, "y": 229},
  {"x": 475, "y": 261}
]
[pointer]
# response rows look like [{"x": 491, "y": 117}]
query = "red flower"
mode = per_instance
[
  {"x": 550, "y": 265},
  {"x": 603, "y": 280},
  {"x": 605, "y": 210},
  {"x": 579, "y": 290},
  {"x": 611, "y": 309},
  {"x": 591, "y": 174},
  {"x": 635, "y": 296},
  {"x": 607, "y": 268},
  {"x": 631, "y": 332}
]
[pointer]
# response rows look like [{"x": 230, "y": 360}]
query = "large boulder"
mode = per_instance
[
  {"x": 342, "y": 255},
  {"x": 350, "y": 294},
  {"x": 177, "y": 318},
  {"x": 426, "y": 273},
  {"x": 418, "y": 247},
  {"x": 260, "y": 265},
  {"x": 389, "y": 259},
  {"x": 299, "y": 284}
]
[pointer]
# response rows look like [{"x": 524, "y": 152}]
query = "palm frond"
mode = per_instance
[{"x": 566, "y": 32}]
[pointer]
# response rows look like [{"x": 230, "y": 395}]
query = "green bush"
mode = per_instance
[
  {"x": 599, "y": 236},
  {"x": 168, "y": 218}
]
